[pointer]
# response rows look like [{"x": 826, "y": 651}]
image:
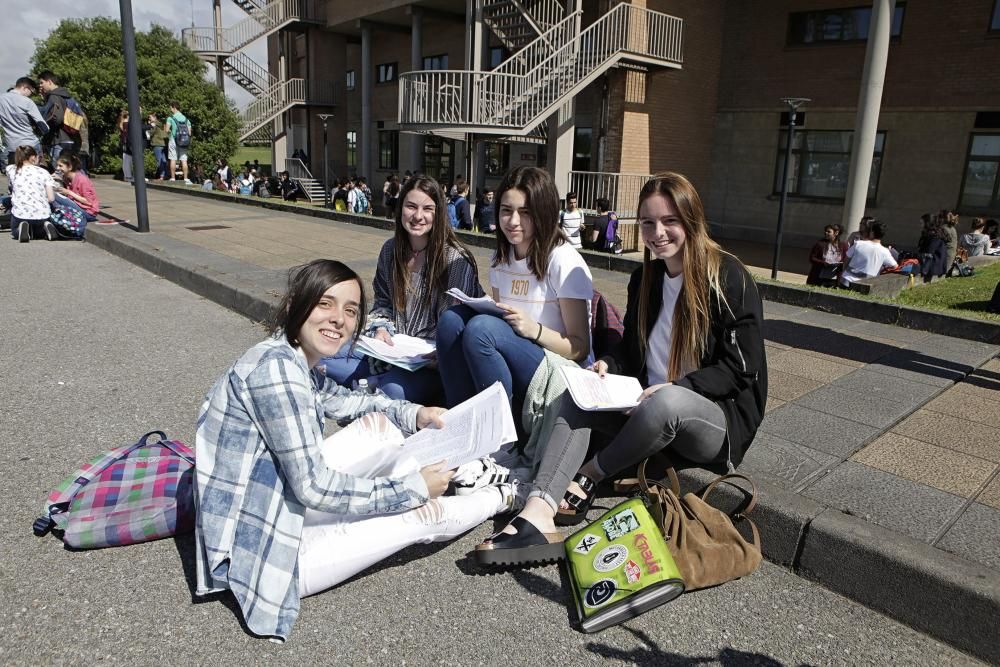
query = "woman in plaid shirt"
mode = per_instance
[{"x": 278, "y": 506}]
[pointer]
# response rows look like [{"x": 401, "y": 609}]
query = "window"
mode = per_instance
[
  {"x": 995, "y": 21},
  {"x": 388, "y": 149},
  {"x": 436, "y": 62},
  {"x": 498, "y": 54},
  {"x": 980, "y": 183},
  {"x": 352, "y": 148},
  {"x": 820, "y": 163},
  {"x": 351, "y": 79},
  {"x": 497, "y": 158},
  {"x": 386, "y": 72},
  {"x": 581, "y": 148},
  {"x": 837, "y": 25}
]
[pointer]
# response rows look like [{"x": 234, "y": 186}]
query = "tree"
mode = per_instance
[{"x": 87, "y": 55}]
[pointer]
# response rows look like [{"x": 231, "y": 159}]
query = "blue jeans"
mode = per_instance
[
  {"x": 476, "y": 350},
  {"x": 422, "y": 386},
  {"x": 160, "y": 155},
  {"x": 71, "y": 203}
]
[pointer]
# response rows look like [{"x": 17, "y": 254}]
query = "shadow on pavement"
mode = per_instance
[{"x": 652, "y": 654}]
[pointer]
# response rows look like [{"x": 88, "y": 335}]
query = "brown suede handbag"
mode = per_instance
[{"x": 703, "y": 540}]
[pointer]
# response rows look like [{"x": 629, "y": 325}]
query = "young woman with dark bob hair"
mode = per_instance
[
  {"x": 421, "y": 261},
  {"x": 542, "y": 284},
  {"x": 693, "y": 339},
  {"x": 282, "y": 513}
]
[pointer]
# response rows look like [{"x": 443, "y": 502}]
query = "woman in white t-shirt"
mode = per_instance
[
  {"x": 32, "y": 195},
  {"x": 693, "y": 339},
  {"x": 542, "y": 284}
]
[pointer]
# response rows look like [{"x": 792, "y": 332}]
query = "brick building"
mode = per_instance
[{"x": 471, "y": 88}]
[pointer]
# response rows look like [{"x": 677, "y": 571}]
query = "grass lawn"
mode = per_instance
[
  {"x": 251, "y": 153},
  {"x": 965, "y": 296}
]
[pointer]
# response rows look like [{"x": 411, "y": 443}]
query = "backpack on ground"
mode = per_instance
[
  {"x": 452, "y": 213},
  {"x": 182, "y": 137},
  {"x": 360, "y": 201},
  {"x": 960, "y": 269},
  {"x": 130, "y": 494},
  {"x": 69, "y": 221},
  {"x": 73, "y": 118}
]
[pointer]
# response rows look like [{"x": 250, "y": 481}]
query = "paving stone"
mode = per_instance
[
  {"x": 976, "y": 536},
  {"x": 785, "y": 463},
  {"x": 773, "y": 404},
  {"x": 979, "y": 385},
  {"x": 910, "y": 365},
  {"x": 804, "y": 365},
  {"x": 956, "y": 350},
  {"x": 952, "y": 433},
  {"x": 963, "y": 406},
  {"x": 857, "y": 407},
  {"x": 773, "y": 309},
  {"x": 848, "y": 346},
  {"x": 991, "y": 494},
  {"x": 789, "y": 387},
  {"x": 907, "y": 507},
  {"x": 889, "y": 332},
  {"x": 878, "y": 387},
  {"x": 944, "y": 469},
  {"x": 818, "y": 430}
]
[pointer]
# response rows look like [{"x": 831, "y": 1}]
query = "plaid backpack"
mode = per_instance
[{"x": 131, "y": 494}]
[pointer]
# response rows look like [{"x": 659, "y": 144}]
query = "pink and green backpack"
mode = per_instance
[{"x": 130, "y": 494}]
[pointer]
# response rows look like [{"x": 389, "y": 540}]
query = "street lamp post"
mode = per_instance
[
  {"x": 793, "y": 104},
  {"x": 135, "y": 137},
  {"x": 326, "y": 161}
]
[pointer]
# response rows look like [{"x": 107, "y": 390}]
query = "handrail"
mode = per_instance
[
  {"x": 505, "y": 100},
  {"x": 296, "y": 168},
  {"x": 541, "y": 15},
  {"x": 621, "y": 190},
  {"x": 551, "y": 40},
  {"x": 271, "y": 17},
  {"x": 248, "y": 68},
  {"x": 280, "y": 96}
]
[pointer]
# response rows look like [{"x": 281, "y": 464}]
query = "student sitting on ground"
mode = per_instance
[
  {"x": 602, "y": 236},
  {"x": 290, "y": 190},
  {"x": 281, "y": 514},
  {"x": 932, "y": 249},
  {"x": 826, "y": 258},
  {"x": 861, "y": 233},
  {"x": 542, "y": 284},
  {"x": 976, "y": 242},
  {"x": 867, "y": 258},
  {"x": 693, "y": 338},
  {"x": 571, "y": 221},
  {"x": 31, "y": 197},
  {"x": 79, "y": 190},
  {"x": 416, "y": 267}
]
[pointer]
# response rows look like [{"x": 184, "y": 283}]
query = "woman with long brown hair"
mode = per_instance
[
  {"x": 692, "y": 338},
  {"x": 416, "y": 267},
  {"x": 31, "y": 197}
]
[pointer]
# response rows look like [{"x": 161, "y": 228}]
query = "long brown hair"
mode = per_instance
[
  {"x": 542, "y": 200},
  {"x": 701, "y": 258},
  {"x": 22, "y": 155},
  {"x": 439, "y": 240}
]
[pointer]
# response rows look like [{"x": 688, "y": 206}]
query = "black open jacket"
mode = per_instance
[{"x": 733, "y": 370}]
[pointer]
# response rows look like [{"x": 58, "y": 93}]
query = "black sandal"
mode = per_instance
[
  {"x": 578, "y": 507},
  {"x": 527, "y": 545}
]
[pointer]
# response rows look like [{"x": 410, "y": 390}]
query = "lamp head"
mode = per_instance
[{"x": 795, "y": 102}]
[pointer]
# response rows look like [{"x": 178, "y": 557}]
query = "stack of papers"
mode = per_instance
[
  {"x": 482, "y": 304},
  {"x": 406, "y": 352},
  {"x": 592, "y": 392}
]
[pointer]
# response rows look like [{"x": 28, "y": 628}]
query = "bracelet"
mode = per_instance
[{"x": 538, "y": 335}]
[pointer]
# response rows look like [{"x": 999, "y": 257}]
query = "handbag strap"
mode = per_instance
[
  {"x": 675, "y": 483},
  {"x": 728, "y": 479}
]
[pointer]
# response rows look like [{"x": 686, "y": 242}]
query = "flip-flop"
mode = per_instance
[{"x": 528, "y": 545}]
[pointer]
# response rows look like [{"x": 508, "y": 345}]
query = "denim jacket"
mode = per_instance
[{"x": 259, "y": 466}]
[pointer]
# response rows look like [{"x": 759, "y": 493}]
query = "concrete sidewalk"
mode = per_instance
[{"x": 878, "y": 460}]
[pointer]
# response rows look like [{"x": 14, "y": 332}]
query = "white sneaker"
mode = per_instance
[
  {"x": 50, "y": 231},
  {"x": 187, "y": 181},
  {"x": 511, "y": 500},
  {"x": 477, "y": 474}
]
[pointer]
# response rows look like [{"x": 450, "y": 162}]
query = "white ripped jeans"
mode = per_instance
[{"x": 335, "y": 547}]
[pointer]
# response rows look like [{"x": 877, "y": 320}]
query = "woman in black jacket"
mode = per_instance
[
  {"x": 932, "y": 248},
  {"x": 694, "y": 340}
]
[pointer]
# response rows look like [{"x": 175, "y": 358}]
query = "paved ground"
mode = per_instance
[{"x": 96, "y": 351}]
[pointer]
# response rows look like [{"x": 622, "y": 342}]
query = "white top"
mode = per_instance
[
  {"x": 571, "y": 223},
  {"x": 568, "y": 277},
  {"x": 658, "y": 345},
  {"x": 865, "y": 259},
  {"x": 30, "y": 201}
]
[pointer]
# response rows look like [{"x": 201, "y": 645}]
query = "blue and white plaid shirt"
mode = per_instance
[{"x": 259, "y": 466}]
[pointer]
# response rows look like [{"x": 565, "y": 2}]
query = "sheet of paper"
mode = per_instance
[
  {"x": 482, "y": 304},
  {"x": 473, "y": 429},
  {"x": 592, "y": 392},
  {"x": 406, "y": 352}
]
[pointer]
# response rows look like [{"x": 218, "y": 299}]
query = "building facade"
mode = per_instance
[{"x": 597, "y": 92}]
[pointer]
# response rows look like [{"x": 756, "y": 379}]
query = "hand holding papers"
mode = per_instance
[
  {"x": 592, "y": 392},
  {"x": 482, "y": 304},
  {"x": 473, "y": 429},
  {"x": 406, "y": 351}
]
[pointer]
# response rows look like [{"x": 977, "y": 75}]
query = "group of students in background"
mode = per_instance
[
  {"x": 692, "y": 337},
  {"x": 940, "y": 250}
]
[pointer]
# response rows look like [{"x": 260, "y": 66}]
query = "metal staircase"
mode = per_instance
[
  {"x": 272, "y": 96},
  {"x": 515, "y": 98},
  {"x": 313, "y": 187},
  {"x": 517, "y": 23}
]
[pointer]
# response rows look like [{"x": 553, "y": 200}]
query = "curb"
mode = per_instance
[
  {"x": 830, "y": 301},
  {"x": 889, "y": 572}
]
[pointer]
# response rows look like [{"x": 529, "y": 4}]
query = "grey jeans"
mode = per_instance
[{"x": 675, "y": 417}]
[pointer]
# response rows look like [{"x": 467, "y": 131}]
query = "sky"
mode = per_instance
[{"x": 34, "y": 21}]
